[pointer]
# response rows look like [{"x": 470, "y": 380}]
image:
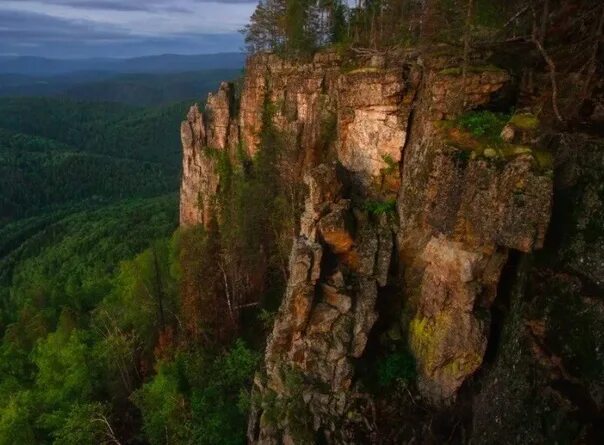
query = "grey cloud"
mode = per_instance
[
  {"x": 24, "y": 27},
  {"x": 35, "y": 33},
  {"x": 135, "y": 5},
  {"x": 106, "y": 4},
  {"x": 26, "y": 33}
]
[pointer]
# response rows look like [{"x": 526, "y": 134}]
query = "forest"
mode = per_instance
[
  {"x": 90, "y": 266},
  {"x": 120, "y": 326}
]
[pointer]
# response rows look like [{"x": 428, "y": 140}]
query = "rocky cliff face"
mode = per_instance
[
  {"x": 202, "y": 135},
  {"x": 382, "y": 132}
]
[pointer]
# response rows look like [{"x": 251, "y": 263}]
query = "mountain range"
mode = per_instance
[{"x": 165, "y": 63}]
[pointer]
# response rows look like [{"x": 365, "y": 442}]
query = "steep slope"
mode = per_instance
[{"x": 410, "y": 235}]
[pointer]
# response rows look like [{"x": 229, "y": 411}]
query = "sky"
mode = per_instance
[{"x": 121, "y": 28}]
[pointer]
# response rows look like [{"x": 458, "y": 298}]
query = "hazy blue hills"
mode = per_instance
[
  {"x": 133, "y": 89},
  {"x": 165, "y": 63},
  {"x": 143, "y": 81}
]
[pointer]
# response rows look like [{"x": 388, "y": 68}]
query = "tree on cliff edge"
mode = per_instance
[{"x": 295, "y": 26}]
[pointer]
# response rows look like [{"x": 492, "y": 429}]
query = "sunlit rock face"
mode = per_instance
[
  {"x": 373, "y": 113},
  {"x": 202, "y": 134},
  {"x": 462, "y": 207},
  {"x": 197, "y": 179},
  {"x": 373, "y": 135},
  {"x": 323, "y": 325},
  {"x": 218, "y": 116}
]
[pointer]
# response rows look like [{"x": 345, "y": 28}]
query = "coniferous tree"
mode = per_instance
[{"x": 266, "y": 30}]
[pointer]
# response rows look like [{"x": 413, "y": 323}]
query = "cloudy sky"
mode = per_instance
[{"x": 121, "y": 28}]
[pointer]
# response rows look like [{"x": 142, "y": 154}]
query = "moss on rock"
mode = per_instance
[{"x": 525, "y": 121}]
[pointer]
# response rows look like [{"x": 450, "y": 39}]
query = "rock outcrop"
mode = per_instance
[
  {"x": 373, "y": 113},
  {"x": 202, "y": 136},
  {"x": 336, "y": 266},
  {"x": 363, "y": 138},
  {"x": 462, "y": 206}
]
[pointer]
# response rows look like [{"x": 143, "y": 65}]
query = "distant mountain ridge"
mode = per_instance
[
  {"x": 142, "y": 89},
  {"x": 165, "y": 63}
]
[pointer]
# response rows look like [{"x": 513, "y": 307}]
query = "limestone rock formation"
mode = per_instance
[
  {"x": 326, "y": 316},
  {"x": 219, "y": 116},
  {"x": 461, "y": 209},
  {"x": 199, "y": 178},
  {"x": 362, "y": 138},
  {"x": 373, "y": 112},
  {"x": 201, "y": 135}
]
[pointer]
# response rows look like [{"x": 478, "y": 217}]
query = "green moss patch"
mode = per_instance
[
  {"x": 387, "y": 206},
  {"x": 427, "y": 338},
  {"x": 477, "y": 134},
  {"x": 483, "y": 124},
  {"x": 525, "y": 121}
]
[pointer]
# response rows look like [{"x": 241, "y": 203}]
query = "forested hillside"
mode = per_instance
[
  {"x": 57, "y": 152},
  {"x": 390, "y": 231},
  {"x": 89, "y": 264}
]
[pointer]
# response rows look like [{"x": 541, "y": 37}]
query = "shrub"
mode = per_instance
[
  {"x": 381, "y": 207},
  {"x": 396, "y": 367},
  {"x": 483, "y": 123},
  {"x": 85, "y": 424},
  {"x": 392, "y": 165}
]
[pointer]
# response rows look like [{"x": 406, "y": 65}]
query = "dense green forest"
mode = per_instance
[
  {"x": 67, "y": 328},
  {"x": 89, "y": 350},
  {"x": 56, "y": 152},
  {"x": 90, "y": 272},
  {"x": 119, "y": 327}
]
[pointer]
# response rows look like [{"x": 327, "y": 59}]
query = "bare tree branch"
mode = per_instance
[{"x": 109, "y": 433}]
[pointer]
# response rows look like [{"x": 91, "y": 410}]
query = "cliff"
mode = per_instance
[{"x": 410, "y": 238}]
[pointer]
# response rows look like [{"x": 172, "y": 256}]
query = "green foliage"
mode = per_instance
[
  {"x": 328, "y": 135},
  {"x": 290, "y": 408},
  {"x": 391, "y": 165},
  {"x": 162, "y": 406},
  {"x": 53, "y": 364},
  {"x": 84, "y": 425},
  {"x": 220, "y": 405},
  {"x": 489, "y": 14},
  {"x": 396, "y": 367},
  {"x": 299, "y": 37},
  {"x": 260, "y": 201},
  {"x": 69, "y": 263},
  {"x": 111, "y": 129},
  {"x": 16, "y": 425},
  {"x": 143, "y": 300},
  {"x": 483, "y": 123},
  {"x": 217, "y": 387},
  {"x": 83, "y": 152},
  {"x": 386, "y": 207},
  {"x": 296, "y": 27},
  {"x": 203, "y": 303},
  {"x": 95, "y": 295},
  {"x": 338, "y": 30},
  {"x": 64, "y": 374},
  {"x": 267, "y": 318}
]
